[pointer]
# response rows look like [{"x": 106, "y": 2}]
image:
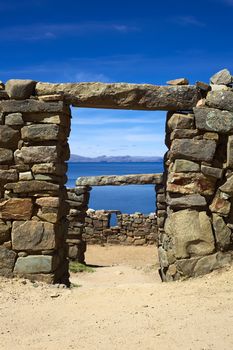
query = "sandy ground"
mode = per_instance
[{"x": 122, "y": 305}]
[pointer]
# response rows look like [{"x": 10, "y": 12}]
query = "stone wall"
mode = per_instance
[
  {"x": 33, "y": 151},
  {"x": 131, "y": 229},
  {"x": 195, "y": 195},
  {"x": 78, "y": 198},
  {"x": 197, "y": 237}
]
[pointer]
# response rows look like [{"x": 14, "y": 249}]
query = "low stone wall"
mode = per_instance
[
  {"x": 131, "y": 229},
  {"x": 78, "y": 198}
]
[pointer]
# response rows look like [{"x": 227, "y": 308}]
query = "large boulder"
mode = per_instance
[{"x": 192, "y": 233}]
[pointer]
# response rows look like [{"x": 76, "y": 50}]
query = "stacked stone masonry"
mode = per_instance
[
  {"x": 194, "y": 201},
  {"x": 131, "y": 229}
]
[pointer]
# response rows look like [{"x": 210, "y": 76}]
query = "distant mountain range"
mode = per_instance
[{"x": 114, "y": 159}]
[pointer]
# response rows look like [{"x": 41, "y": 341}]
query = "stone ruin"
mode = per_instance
[
  {"x": 41, "y": 223},
  {"x": 130, "y": 229}
]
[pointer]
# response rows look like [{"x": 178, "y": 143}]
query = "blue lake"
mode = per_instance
[{"x": 127, "y": 199}]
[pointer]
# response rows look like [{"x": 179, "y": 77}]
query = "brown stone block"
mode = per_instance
[
  {"x": 16, "y": 209},
  {"x": 190, "y": 183}
]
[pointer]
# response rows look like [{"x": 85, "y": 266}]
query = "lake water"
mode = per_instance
[{"x": 127, "y": 199}]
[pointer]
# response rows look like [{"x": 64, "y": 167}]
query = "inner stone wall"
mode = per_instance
[{"x": 131, "y": 229}]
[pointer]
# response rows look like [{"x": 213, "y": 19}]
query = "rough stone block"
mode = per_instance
[
  {"x": 16, "y": 209},
  {"x": 8, "y": 176},
  {"x": 222, "y": 232},
  {"x": 37, "y": 154},
  {"x": 222, "y": 77},
  {"x": 220, "y": 206},
  {"x": 182, "y": 165},
  {"x": 189, "y": 201},
  {"x": 25, "y": 176},
  {"x": 200, "y": 150},
  {"x": 227, "y": 187},
  {"x": 6, "y": 156},
  {"x": 192, "y": 233},
  {"x": 19, "y": 89},
  {"x": 180, "y": 121},
  {"x": 200, "y": 266},
  {"x": 7, "y": 261},
  {"x": 34, "y": 264},
  {"x": 31, "y": 106},
  {"x": 230, "y": 151},
  {"x": 49, "y": 168},
  {"x": 220, "y": 99},
  {"x": 124, "y": 96},
  {"x": 210, "y": 171},
  {"x": 190, "y": 183},
  {"x": 33, "y": 235},
  {"x": 14, "y": 119},
  {"x": 8, "y": 137},
  {"x": 211, "y": 119},
  {"x": 40, "y": 132},
  {"x": 31, "y": 186},
  {"x": 51, "y": 202},
  {"x": 4, "y": 232}
]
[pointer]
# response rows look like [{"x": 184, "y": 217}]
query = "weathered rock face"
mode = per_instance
[
  {"x": 192, "y": 233},
  {"x": 117, "y": 180},
  {"x": 124, "y": 96}
]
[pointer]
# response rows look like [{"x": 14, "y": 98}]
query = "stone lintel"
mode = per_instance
[
  {"x": 124, "y": 96},
  {"x": 120, "y": 180}
]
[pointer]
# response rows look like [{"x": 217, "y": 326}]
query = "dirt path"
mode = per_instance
[{"x": 119, "y": 307}]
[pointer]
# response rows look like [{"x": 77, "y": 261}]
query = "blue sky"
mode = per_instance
[{"x": 115, "y": 41}]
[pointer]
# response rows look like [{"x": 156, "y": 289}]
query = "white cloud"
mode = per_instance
[
  {"x": 42, "y": 31},
  {"x": 188, "y": 21}
]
